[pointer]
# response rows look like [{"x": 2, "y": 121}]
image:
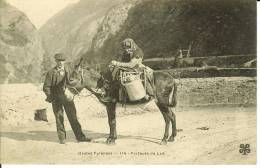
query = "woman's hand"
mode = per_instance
[{"x": 115, "y": 63}]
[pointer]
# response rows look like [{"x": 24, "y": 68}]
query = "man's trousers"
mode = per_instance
[{"x": 70, "y": 110}]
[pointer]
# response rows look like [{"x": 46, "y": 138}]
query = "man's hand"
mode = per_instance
[{"x": 99, "y": 92}]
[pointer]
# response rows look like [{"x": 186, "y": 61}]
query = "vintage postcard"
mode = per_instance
[{"x": 128, "y": 82}]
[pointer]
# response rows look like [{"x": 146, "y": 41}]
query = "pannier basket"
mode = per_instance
[{"x": 133, "y": 85}]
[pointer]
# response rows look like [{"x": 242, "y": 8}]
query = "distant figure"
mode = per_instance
[
  {"x": 54, "y": 87},
  {"x": 249, "y": 64}
]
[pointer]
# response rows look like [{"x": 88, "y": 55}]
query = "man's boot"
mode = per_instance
[{"x": 84, "y": 139}]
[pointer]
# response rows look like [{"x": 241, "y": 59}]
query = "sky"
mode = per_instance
[{"x": 39, "y": 11}]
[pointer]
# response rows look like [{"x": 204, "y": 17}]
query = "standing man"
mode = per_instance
[{"x": 53, "y": 88}]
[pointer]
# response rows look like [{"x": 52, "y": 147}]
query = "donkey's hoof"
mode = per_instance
[
  {"x": 163, "y": 142},
  {"x": 171, "y": 139},
  {"x": 110, "y": 141}
]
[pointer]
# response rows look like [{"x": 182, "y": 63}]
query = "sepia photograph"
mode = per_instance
[{"x": 129, "y": 82}]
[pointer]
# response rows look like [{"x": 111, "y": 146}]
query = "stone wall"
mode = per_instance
[{"x": 217, "y": 91}]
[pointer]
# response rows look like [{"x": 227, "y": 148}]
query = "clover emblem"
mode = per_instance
[{"x": 244, "y": 149}]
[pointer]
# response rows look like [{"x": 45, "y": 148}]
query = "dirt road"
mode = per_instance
[
  {"x": 207, "y": 135},
  {"x": 139, "y": 138}
]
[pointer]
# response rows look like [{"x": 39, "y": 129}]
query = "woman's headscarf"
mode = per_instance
[{"x": 130, "y": 44}]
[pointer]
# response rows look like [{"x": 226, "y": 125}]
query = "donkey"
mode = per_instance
[{"x": 165, "y": 89}]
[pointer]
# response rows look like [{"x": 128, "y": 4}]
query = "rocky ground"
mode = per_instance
[{"x": 206, "y": 135}]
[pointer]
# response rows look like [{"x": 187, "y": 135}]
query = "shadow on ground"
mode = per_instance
[{"x": 51, "y": 136}]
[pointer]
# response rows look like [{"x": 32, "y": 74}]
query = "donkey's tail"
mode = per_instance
[{"x": 172, "y": 101}]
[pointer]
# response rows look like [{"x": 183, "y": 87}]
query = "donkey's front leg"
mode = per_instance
[{"x": 111, "y": 113}]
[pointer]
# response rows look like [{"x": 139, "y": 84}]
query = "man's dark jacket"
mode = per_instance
[{"x": 54, "y": 84}]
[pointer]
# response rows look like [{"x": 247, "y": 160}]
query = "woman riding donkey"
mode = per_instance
[
  {"x": 131, "y": 61},
  {"x": 164, "y": 88}
]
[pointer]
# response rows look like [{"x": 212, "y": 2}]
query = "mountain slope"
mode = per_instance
[
  {"x": 21, "y": 52},
  {"x": 94, "y": 29},
  {"x": 71, "y": 31}
]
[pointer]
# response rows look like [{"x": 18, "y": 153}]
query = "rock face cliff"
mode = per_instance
[
  {"x": 110, "y": 26},
  {"x": 94, "y": 29},
  {"x": 71, "y": 31},
  {"x": 21, "y": 52}
]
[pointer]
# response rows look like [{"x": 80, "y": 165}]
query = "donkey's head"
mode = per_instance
[{"x": 83, "y": 77}]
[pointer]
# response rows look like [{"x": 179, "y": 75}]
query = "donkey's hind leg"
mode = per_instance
[
  {"x": 173, "y": 121},
  {"x": 111, "y": 112},
  {"x": 164, "y": 111}
]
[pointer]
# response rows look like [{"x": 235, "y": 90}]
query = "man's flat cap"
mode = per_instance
[{"x": 59, "y": 56}]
